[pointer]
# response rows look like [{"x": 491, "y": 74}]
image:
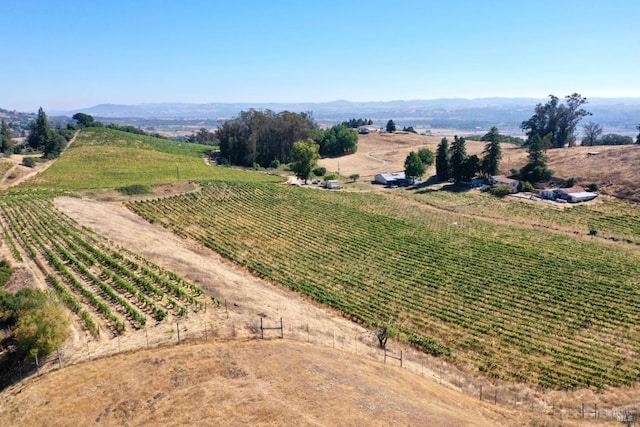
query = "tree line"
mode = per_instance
[
  {"x": 453, "y": 161},
  {"x": 265, "y": 138}
]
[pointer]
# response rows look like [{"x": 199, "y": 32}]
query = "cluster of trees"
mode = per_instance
[
  {"x": 416, "y": 163},
  {"x": 265, "y": 138},
  {"x": 38, "y": 320},
  {"x": 454, "y": 162},
  {"x": 337, "y": 141},
  {"x": 592, "y": 132},
  {"x": 203, "y": 136},
  {"x": 356, "y": 123},
  {"x": 556, "y": 120},
  {"x": 42, "y": 137},
  {"x": 261, "y": 137}
]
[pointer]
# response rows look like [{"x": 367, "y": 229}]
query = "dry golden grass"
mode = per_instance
[
  {"x": 257, "y": 383},
  {"x": 614, "y": 169}
]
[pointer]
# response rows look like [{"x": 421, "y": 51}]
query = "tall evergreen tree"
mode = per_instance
[
  {"x": 40, "y": 132},
  {"x": 443, "y": 166},
  {"x": 391, "y": 126},
  {"x": 536, "y": 168},
  {"x": 492, "y": 152},
  {"x": 458, "y": 156},
  {"x": 6, "y": 138}
]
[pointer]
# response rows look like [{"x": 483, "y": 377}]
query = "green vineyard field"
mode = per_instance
[
  {"x": 110, "y": 288},
  {"x": 517, "y": 303}
]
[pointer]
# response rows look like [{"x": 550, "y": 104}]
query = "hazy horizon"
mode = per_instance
[{"x": 77, "y": 54}]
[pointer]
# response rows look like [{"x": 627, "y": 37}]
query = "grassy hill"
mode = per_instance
[{"x": 105, "y": 158}]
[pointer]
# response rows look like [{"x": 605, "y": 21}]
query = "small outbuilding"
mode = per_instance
[
  {"x": 332, "y": 184},
  {"x": 391, "y": 178}
]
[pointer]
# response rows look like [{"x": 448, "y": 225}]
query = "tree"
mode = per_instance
[
  {"x": 536, "y": 168},
  {"x": 304, "y": 156},
  {"x": 458, "y": 155},
  {"x": 338, "y": 140},
  {"x": 426, "y": 156},
  {"x": 413, "y": 166},
  {"x": 84, "y": 120},
  {"x": 557, "y": 120},
  {"x": 354, "y": 177},
  {"x": 470, "y": 167},
  {"x": 6, "y": 138},
  {"x": 591, "y": 133},
  {"x": 638, "y": 137},
  {"x": 443, "y": 166},
  {"x": 42, "y": 324},
  {"x": 40, "y": 132},
  {"x": 409, "y": 129},
  {"x": 391, "y": 126},
  {"x": 492, "y": 153}
]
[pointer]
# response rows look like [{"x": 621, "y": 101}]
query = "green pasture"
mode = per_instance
[{"x": 105, "y": 158}]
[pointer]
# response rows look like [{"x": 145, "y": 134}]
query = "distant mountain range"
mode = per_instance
[{"x": 619, "y": 115}]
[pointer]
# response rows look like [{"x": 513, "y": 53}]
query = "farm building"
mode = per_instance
[
  {"x": 571, "y": 195},
  {"x": 575, "y": 194},
  {"x": 503, "y": 180},
  {"x": 391, "y": 178},
  {"x": 332, "y": 184}
]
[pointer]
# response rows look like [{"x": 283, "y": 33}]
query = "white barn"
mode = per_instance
[{"x": 390, "y": 178}]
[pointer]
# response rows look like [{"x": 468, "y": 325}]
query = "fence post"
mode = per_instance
[
  {"x": 480, "y": 392},
  {"x": 261, "y": 329},
  {"x": 178, "y": 329},
  {"x": 495, "y": 396},
  {"x": 37, "y": 365},
  {"x": 401, "y": 358},
  {"x": 59, "y": 358},
  {"x": 282, "y": 330}
]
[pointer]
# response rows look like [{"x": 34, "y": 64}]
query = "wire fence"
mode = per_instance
[{"x": 363, "y": 344}]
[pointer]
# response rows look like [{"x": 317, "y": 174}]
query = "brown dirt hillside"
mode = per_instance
[
  {"x": 258, "y": 383},
  {"x": 614, "y": 169}
]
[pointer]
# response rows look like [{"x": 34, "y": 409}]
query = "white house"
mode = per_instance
[
  {"x": 503, "y": 180},
  {"x": 390, "y": 178}
]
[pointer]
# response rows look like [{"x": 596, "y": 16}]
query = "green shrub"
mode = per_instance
[
  {"x": 29, "y": 162},
  {"x": 592, "y": 187},
  {"x": 320, "y": 171},
  {"x": 571, "y": 182},
  {"x": 134, "y": 189},
  {"x": 526, "y": 186},
  {"x": 275, "y": 164},
  {"x": 331, "y": 176},
  {"x": 500, "y": 190}
]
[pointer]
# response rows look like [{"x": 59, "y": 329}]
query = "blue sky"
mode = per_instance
[{"x": 67, "y": 54}]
